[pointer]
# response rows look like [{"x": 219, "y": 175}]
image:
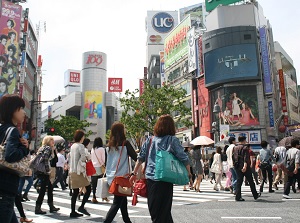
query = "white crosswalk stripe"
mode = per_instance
[{"x": 62, "y": 200}]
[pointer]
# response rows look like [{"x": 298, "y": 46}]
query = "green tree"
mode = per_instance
[
  {"x": 140, "y": 113},
  {"x": 66, "y": 126}
]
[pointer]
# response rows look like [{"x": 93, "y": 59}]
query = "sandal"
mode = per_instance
[
  {"x": 105, "y": 199},
  {"x": 25, "y": 220}
]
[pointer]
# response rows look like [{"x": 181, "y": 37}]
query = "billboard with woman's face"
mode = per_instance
[{"x": 238, "y": 104}]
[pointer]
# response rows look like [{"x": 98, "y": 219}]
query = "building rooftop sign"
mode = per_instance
[{"x": 212, "y": 4}]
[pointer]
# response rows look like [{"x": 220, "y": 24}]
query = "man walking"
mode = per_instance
[
  {"x": 229, "y": 150},
  {"x": 266, "y": 157},
  {"x": 241, "y": 162},
  {"x": 291, "y": 165},
  {"x": 280, "y": 154}
]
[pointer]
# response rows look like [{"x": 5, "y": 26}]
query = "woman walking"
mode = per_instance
[
  {"x": 11, "y": 114},
  {"x": 119, "y": 151},
  {"x": 47, "y": 150},
  {"x": 216, "y": 168},
  {"x": 187, "y": 150},
  {"x": 29, "y": 178},
  {"x": 197, "y": 167},
  {"x": 98, "y": 159},
  {"x": 160, "y": 194},
  {"x": 78, "y": 177}
]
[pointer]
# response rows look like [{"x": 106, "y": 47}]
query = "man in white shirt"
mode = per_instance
[
  {"x": 280, "y": 152},
  {"x": 229, "y": 152},
  {"x": 60, "y": 168}
]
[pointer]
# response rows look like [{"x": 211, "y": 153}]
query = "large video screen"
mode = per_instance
[{"x": 231, "y": 63}]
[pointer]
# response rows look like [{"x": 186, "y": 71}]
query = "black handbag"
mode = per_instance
[{"x": 37, "y": 163}]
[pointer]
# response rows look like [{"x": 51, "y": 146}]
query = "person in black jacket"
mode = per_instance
[{"x": 11, "y": 114}]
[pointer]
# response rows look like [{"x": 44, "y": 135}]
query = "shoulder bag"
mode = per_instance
[
  {"x": 120, "y": 185},
  {"x": 102, "y": 168},
  {"x": 19, "y": 168},
  {"x": 37, "y": 162},
  {"x": 90, "y": 169}
]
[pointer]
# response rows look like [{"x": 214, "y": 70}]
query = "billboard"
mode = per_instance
[
  {"x": 159, "y": 24},
  {"x": 93, "y": 102},
  {"x": 176, "y": 44},
  {"x": 196, "y": 14},
  {"x": 252, "y": 137},
  {"x": 115, "y": 85},
  {"x": 9, "y": 46},
  {"x": 203, "y": 108},
  {"x": 212, "y": 4},
  {"x": 268, "y": 86},
  {"x": 72, "y": 78},
  {"x": 231, "y": 63},
  {"x": 238, "y": 104}
]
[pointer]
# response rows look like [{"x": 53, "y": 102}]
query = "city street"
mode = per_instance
[{"x": 188, "y": 206}]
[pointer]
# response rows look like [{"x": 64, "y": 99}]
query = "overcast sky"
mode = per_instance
[{"x": 117, "y": 28}]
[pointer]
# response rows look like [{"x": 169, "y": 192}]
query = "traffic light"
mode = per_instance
[{"x": 52, "y": 130}]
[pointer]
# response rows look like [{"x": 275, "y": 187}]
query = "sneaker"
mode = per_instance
[
  {"x": 83, "y": 211},
  {"x": 241, "y": 199},
  {"x": 258, "y": 195},
  {"x": 75, "y": 215},
  {"x": 275, "y": 186},
  {"x": 286, "y": 196},
  {"x": 271, "y": 191}
]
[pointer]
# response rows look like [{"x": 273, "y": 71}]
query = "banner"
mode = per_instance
[
  {"x": 9, "y": 46},
  {"x": 271, "y": 113},
  {"x": 142, "y": 86},
  {"x": 192, "y": 50},
  {"x": 93, "y": 102},
  {"x": 115, "y": 85},
  {"x": 163, "y": 78}
]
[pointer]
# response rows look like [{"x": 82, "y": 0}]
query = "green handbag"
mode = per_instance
[{"x": 169, "y": 169}]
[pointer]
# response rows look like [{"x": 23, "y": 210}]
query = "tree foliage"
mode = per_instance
[
  {"x": 66, "y": 126},
  {"x": 140, "y": 113}
]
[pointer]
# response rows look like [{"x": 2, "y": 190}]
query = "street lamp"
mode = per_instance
[{"x": 216, "y": 125}]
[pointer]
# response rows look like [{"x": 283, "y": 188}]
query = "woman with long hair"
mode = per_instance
[
  {"x": 11, "y": 114},
  {"x": 216, "y": 167},
  {"x": 119, "y": 151},
  {"x": 197, "y": 165},
  {"x": 160, "y": 193},
  {"x": 98, "y": 158},
  {"x": 47, "y": 150},
  {"x": 77, "y": 174}
]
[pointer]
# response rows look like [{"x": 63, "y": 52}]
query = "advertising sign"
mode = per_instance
[
  {"x": 200, "y": 68},
  {"x": 212, "y": 4},
  {"x": 115, "y": 85},
  {"x": 268, "y": 86},
  {"x": 163, "y": 78},
  {"x": 93, "y": 102},
  {"x": 9, "y": 46},
  {"x": 224, "y": 132},
  {"x": 252, "y": 137},
  {"x": 282, "y": 90},
  {"x": 195, "y": 109},
  {"x": 239, "y": 106},
  {"x": 292, "y": 98},
  {"x": 176, "y": 45},
  {"x": 142, "y": 86},
  {"x": 271, "y": 113},
  {"x": 203, "y": 108},
  {"x": 159, "y": 24},
  {"x": 231, "y": 63},
  {"x": 32, "y": 45},
  {"x": 196, "y": 13},
  {"x": 72, "y": 78},
  {"x": 94, "y": 59},
  {"x": 192, "y": 50}
]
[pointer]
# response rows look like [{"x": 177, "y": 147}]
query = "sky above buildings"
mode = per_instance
[{"x": 117, "y": 28}]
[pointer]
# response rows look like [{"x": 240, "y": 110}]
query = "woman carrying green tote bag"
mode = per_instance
[{"x": 165, "y": 152}]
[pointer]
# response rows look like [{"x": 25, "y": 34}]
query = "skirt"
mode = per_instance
[{"x": 78, "y": 181}]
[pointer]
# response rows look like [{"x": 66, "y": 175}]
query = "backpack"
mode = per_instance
[
  {"x": 235, "y": 156},
  {"x": 289, "y": 164}
]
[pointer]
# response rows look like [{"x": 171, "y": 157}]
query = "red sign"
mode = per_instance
[
  {"x": 115, "y": 85},
  {"x": 204, "y": 121},
  {"x": 142, "y": 86},
  {"x": 195, "y": 109},
  {"x": 74, "y": 77},
  {"x": 94, "y": 59},
  {"x": 282, "y": 90}
]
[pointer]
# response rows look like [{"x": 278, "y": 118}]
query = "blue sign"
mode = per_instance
[
  {"x": 23, "y": 58},
  {"x": 162, "y": 22},
  {"x": 265, "y": 61},
  {"x": 271, "y": 113},
  {"x": 231, "y": 63}
]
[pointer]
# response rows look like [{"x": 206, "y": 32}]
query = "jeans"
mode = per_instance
[
  {"x": 234, "y": 178},
  {"x": 264, "y": 171},
  {"x": 288, "y": 184},
  {"x": 7, "y": 213},
  {"x": 240, "y": 178},
  {"x": 119, "y": 202},
  {"x": 45, "y": 183},
  {"x": 22, "y": 182},
  {"x": 59, "y": 178}
]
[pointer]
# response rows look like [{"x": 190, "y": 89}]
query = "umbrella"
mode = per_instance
[
  {"x": 286, "y": 141},
  {"x": 187, "y": 144},
  {"x": 202, "y": 141},
  {"x": 58, "y": 139}
]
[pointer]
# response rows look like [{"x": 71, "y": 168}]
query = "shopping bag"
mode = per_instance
[
  {"x": 121, "y": 186},
  {"x": 90, "y": 169},
  {"x": 102, "y": 188},
  {"x": 169, "y": 169},
  {"x": 140, "y": 187}
]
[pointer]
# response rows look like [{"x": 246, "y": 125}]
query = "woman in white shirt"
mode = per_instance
[
  {"x": 217, "y": 168},
  {"x": 98, "y": 159}
]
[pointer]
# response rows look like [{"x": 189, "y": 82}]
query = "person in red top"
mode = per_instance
[
  {"x": 3, "y": 41},
  {"x": 252, "y": 166}
]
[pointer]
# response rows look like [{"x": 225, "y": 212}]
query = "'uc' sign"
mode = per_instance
[{"x": 162, "y": 22}]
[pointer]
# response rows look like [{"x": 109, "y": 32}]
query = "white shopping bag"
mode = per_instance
[{"x": 102, "y": 188}]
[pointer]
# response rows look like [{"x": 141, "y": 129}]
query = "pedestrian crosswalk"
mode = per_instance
[{"x": 98, "y": 211}]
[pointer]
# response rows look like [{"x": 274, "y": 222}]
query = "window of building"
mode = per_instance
[
  {"x": 207, "y": 45},
  {"x": 247, "y": 36}
]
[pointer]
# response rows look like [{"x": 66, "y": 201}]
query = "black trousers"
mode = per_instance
[
  {"x": 84, "y": 200},
  {"x": 45, "y": 183},
  {"x": 160, "y": 197},
  {"x": 19, "y": 205},
  {"x": 119, "y": 202},
  {"x": 59, "y": 178},
  {"x": 264, "y": 172},
  {"x": 288, "y": 184},
  {"x": 240, "y": 177}
]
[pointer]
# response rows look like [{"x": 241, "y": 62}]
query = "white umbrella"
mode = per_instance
[
  {"x": 202, "y": 141},
  {"x": 58, "y": 139}
]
